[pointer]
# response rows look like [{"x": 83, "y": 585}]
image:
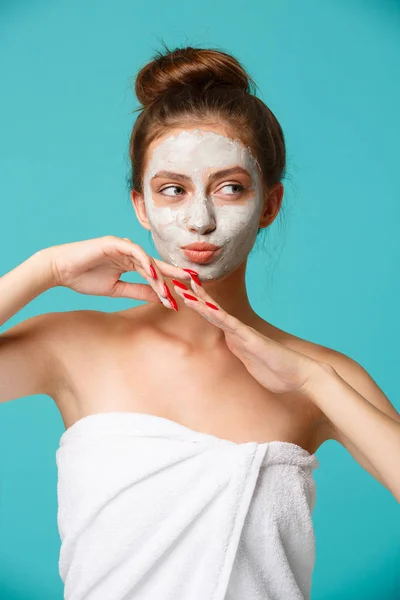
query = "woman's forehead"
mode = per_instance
[{"x": 197, "y": 148}]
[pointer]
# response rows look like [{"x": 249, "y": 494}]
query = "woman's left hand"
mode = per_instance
[{"x": 275, "y": 366}]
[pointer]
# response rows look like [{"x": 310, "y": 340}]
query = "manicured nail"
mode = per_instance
[
  {"x": 189, "y": 296},
  {"x": 195, "y": 279},
  {"x": 153, "y": 272},
  {"x": 173, "y": 303},
  {"x": 193, "y": 276},
  {"x": 165, "y": 302},
  {"x": 179, "y": 284},
  {"x": 167, "y": 291},
  {"x": 212, "y": 305},
  {"x": 191, "y": 271}
]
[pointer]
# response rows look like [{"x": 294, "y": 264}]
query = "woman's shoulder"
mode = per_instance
[
  {"x": 99, "y": 318},
  {"x": 314, "y": 350},
  {"x": 92, "y": 329}
]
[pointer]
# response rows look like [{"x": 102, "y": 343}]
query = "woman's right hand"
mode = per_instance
[{"x": 95, "y": 266}]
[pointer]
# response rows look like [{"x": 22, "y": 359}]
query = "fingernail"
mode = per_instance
[
  {"x": 165, "y": 302},
  {"x": 212, "y": 305},
  {"x": 196, "y": 279},
  {"x": 191, "y": 272},
  {"x": 173, "y": 303},
  {"x": 179, "y": 284},
  {"x": 189, "y": 296},
  {"x": 167, "y": 291},
  {"x": 153, "y": 272},
  {"x": 193, "y": 276}
]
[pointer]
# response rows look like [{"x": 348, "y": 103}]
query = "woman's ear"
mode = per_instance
[
  {"x": 272, "y": 205},
  {"x": 140, "y": 209}
]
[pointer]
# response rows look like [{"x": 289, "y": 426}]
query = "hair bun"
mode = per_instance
[{"x": 189, "y": 66}]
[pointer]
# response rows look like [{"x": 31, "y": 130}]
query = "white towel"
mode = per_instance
[{"x": 150, "y": 509}]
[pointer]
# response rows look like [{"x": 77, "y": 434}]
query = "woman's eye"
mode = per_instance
[
  {"x": 171, "y": 187},
  {"x": 233, "y": 185}
]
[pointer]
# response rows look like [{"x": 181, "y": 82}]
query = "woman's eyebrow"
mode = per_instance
[
  {"x": 227, "y": 172},
  {"x": 211, "y": 177},
  {"x": 171, "y": 175}
]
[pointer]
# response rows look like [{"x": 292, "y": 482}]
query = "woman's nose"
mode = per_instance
[
  {"x": 200, "y": 218},
  {"x": 202, "y": 229}
]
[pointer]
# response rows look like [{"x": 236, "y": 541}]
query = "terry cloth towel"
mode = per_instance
[{"x": 150, "y": 509}]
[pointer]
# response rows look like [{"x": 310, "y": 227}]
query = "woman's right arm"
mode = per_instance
[
  {"x": 26, "y": 363},
  {"x": 21, "y": 285},
  {"x": 30, "y": 351}
]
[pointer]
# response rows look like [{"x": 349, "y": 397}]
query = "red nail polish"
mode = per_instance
[
  {"x": 173, "y": 303},
  {"x": 167, "y": 291},
  {"x": 195, "y": 279},
  {"x": 153, "y": 272},
  {"x": 189, "y": 296},
  {"x": 212, "y": 305},
  {"x": 190, "y": 271},
  {"x": 179, "y": 284}
]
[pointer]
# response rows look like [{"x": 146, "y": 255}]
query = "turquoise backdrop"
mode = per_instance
[{"x": 327, "y": 271}]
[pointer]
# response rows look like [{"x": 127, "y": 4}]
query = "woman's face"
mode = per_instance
[{"x": 188, "y": 199}]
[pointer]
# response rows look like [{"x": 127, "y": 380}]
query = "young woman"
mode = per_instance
[{"x": 192, "y": 423}]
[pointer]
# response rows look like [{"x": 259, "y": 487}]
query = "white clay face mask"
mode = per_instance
[{"x": 182, "y": 212}]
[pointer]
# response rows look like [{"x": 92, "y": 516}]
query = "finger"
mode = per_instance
[
  {"x": 208, "y": 313},
  {"x": 216, "y": 316},
  {"x": 160, "y": 267},
  {"x": 171, "y": 270},
  {"x": 149, "y": 271},
  {"x": 227, "y": 322},
  {"x": 137, "y": 291},
  {"x": 137, "y": 252},
  {"x": 157, "y": 282},
  {"x": 162, "y": 297}
]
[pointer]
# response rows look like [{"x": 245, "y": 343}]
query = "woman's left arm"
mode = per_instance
[{"x": 364, "y": 420}]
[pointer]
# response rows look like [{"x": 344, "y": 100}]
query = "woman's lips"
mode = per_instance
[{"x": 200, "y": 256}]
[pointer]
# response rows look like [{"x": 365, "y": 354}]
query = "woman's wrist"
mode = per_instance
[{"x": 42, "y": 265}]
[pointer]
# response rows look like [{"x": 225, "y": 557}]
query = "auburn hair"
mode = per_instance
[{"x": 197, "y": 85}]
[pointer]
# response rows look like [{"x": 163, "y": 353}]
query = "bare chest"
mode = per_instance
[{"x": 209, "y": 391}]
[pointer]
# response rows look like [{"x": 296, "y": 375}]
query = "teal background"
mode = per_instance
[{"x": 327, "y": 271}]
